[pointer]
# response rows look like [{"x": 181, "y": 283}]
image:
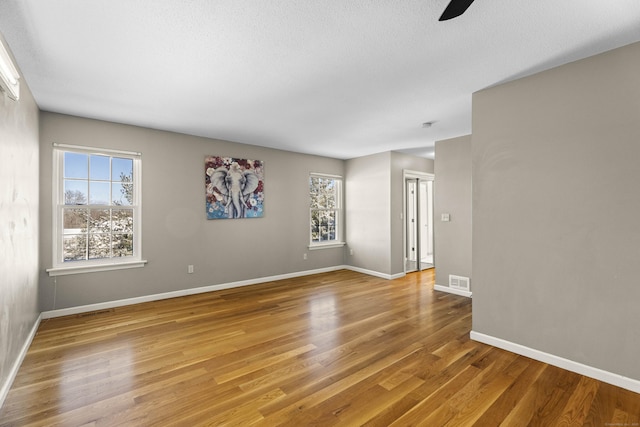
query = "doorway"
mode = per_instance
[{"x": 418, "y": 191}]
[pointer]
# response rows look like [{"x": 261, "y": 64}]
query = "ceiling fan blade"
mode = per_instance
[{"x": 455, "y": 9}]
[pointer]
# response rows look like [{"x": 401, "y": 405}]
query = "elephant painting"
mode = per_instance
[{"x": 234, "y": 188}]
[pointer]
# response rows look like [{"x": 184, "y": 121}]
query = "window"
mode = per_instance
[
  {"x": 326, "y": 211},
  {"x": 96, "y": 210}
]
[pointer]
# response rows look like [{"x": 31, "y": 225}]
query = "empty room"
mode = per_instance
[{"x": 381, "y": 213}]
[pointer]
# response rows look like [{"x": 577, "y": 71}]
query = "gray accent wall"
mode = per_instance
[
  {"x": 556, "y": 211},
  {"x": 19, "y": 205},
  {"x": 452, "y": 195},
  {"x": 175, "y": 230}
]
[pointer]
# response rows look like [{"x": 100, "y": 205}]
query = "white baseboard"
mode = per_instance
[
  {"x": 374, "y": 273},
  {"x": 560, "y": 362},
  {"x": 180, "y": 293},
  {"x": 192, "y": 291},
  {"x": 452, "y": 290},
  {"x": 4, "y": 390}
]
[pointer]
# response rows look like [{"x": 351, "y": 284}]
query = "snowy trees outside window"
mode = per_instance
[
  {"x": 326, "y": 204},
  {"x": 97, "y": 209}
]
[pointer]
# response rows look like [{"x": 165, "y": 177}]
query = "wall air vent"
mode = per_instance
[{"x": 459, "y": 282}]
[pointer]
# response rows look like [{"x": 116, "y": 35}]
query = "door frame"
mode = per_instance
[{"x": 420, "y": 176}]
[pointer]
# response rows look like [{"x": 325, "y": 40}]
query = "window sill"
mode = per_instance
[
  {"x": 63, "y": 271},
  {"x": 330, "y": 245}
]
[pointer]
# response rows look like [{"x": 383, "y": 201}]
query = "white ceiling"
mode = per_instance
[{"x": 339, "y": 78}]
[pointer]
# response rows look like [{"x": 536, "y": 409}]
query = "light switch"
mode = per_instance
[{"x": 445, "y": 217}]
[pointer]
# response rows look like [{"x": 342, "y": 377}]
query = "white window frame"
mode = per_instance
[
  {"x": 60, "y": 267},
  {"x": 339, "y": 240}
]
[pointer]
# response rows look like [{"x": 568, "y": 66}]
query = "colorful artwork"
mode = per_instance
[{"x": 234, "y": 187}]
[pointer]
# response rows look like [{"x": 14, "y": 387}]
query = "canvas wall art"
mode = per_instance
[{"x": 234, "y": 187}]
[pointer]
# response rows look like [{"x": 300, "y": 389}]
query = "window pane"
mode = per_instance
[
  {"x": 99, "y": 246},
  {"x": 99, "y": 167},
  {"x": 316, "y": 193},
  {"x": 327, "y": 225},
  {"x": 75, "y": 192},
  {"x": 315, "y": 203},
  {"x": 100, "y": 221},
  {"x": 122, "y": 245},
  {"x": 330, "y": 201},
  {"x": 121, "y": 168},
  {"x": 323, "y": 226},
  {"x": 74, "y": 247},
  {"x": 74, "y": 221},
  {"x": 330, "y": 192},
  {"x": 75, "y": 165},
  {"x": 99, "y": 193},
  {"x": 315, "y": 226},
  {"x": 122, "y": 220},
  {"x": 122, "y": 193},
  {"x": 323, "y": 192}
]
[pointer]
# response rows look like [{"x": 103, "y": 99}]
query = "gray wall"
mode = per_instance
[
  {"x": 367, "y": 202},
  {"x": 556, "y": 211},
  {"x": 175, "y": 229},
  {"x": 452, "y": 195},
  {"x": 374, "y": 208},
  {"x": 18, "y": 227}
]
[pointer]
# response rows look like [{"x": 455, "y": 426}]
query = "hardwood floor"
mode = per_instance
[{"x": 339, "y": 348}]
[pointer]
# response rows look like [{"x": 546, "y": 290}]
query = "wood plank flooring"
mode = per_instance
[{"x": 334, "y": 349}]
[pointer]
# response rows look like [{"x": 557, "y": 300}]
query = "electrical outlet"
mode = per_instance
[
  {"x": 189, "y": 268},
  {"x": 304, "y": 256},
  {"x": 351, "y": 252}
]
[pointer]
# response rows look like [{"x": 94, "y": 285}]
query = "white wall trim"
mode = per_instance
[
  {"x": 452, "y": 291},
  {"x": 4, "y": 390},
  {"x": 579, "y": 368},
  {"x": 62, "y": 271},
  {"x": 192, "y": 291},
  {"x": 374, "y": 273},
  {"x": 180, "y": 293}
]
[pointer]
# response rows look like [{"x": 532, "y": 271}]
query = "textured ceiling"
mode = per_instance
[{"x": 340, "y": 78}]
